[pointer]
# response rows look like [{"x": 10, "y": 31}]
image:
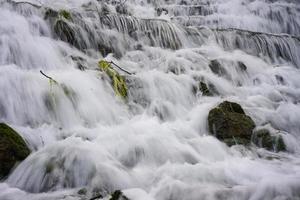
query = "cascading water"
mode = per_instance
[{"x": 156, "y": 144}]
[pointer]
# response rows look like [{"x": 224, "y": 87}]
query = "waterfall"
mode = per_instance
[{"x": 155, "y": 142}]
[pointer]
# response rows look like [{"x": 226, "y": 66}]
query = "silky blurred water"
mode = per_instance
[{"x": 155, "y": 145}]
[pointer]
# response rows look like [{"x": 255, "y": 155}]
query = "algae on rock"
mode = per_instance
[
  {"x": 118, "y": 81},
  {"x": 12, "y": 149}
]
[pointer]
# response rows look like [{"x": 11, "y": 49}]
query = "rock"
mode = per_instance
[
  {"x": 118, "y": 195},
  {"x": 12, "y": 149},
  {"x": 204, "y": 89},
  {"x": 242, "y": 66},
  {"x": 229, "y": 123},
  {"x": 263, "y": 138},
  {"x": 216, "y": 68}
]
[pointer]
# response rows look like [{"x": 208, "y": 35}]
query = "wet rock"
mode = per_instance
[
  {"x": 242, "y": 66},
  {"x": 204, "y": 89},
  {"x": 13, "y": 149},
  {"x": 229, "y": 123},
  {"x": 118, "y": 195},
  {"x": 263, "y": 138},
  {"x": 280, "y": 79},
  {"x": 216, "y": 67},
  {"x": 80, "y": 62}
]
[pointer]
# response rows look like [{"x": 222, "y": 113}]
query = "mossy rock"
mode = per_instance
[
  {"x": 229, "y": 123},
  {"x": 12, "y": 149},
  {"x": 118, "y": 81},
  {"x": 263, "y": 138}
]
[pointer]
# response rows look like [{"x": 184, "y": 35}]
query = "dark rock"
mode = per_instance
[
  {"x": 204, "y": 89},
  {"x": 118, "y": 195},
  {"x": 280, "y": 79},
  {"x": 50, "y": 13},
  {"x": 216, "y": 68},
  {"x": 12, "y": 149},
  {"x": 229, "y": 123},
  {"x": 263, "y": 138},
  {"x": 242, "y": 66}
]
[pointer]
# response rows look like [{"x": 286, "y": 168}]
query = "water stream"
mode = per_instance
[{"x": 156, "y": 144}]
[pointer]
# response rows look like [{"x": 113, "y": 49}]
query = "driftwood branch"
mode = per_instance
[
  {"x": 23, "y": 2},
  {"x": 130, "y": 73},
  {"x": 96, "y": 197},
  {"x": 257, "y": 33},
  {"x": 50, "y": 78}
]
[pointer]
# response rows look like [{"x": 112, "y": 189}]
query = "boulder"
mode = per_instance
[
  {"x": 229, "y": 123},
  {"x": 263, "y": 138},
  {"x": 12, "y": 149}
]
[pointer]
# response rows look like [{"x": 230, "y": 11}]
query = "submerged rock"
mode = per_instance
[
  {"x": 242, "y": 66},
  {"x": 263, "y": 138},
  {"x": 229, "y": 123},
  {"x": 12, "y": 149},
  {"x": 204, "y": 89},
  {"x": 216, "y": 67}
]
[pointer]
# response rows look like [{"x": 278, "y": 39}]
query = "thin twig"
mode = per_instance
[
  {"x": 111, "y": 62},
  {"x": 50, "y": 78}
]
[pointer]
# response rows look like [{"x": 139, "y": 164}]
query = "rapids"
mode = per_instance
[{"x": 156, "y": 144}]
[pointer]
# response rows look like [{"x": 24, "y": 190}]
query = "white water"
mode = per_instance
[{"x": 156, "y": 145}]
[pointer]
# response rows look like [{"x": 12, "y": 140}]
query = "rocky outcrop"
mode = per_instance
[
  {"x": 12, "y": 149},
  {"x": 229, "y": 123}
]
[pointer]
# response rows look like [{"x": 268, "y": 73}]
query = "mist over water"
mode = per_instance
[{"x": 156, "y": 144}]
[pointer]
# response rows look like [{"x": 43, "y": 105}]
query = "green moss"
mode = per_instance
[
  {"x": 118, "y": 81},
  {"x": 65, "y": 14},
  {"x": 12, "y": 149}
]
